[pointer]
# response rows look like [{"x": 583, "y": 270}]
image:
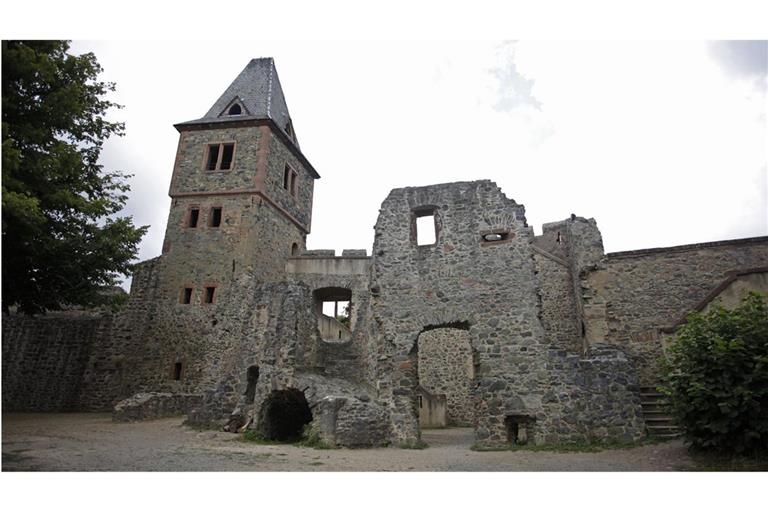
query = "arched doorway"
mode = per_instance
[{"x": 283, "y": 415}]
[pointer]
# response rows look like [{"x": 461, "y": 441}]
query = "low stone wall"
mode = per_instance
[
  {"x": 149, "y": 406},
  {"x": 351, "y": 422},
  {"x": 46, "y": 357}
]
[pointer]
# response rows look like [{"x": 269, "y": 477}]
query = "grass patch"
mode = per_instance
[
  {"x": 309, "y": 439},
  {"x": 251, "y": 436},
  {"x": 413, "y": 445}
]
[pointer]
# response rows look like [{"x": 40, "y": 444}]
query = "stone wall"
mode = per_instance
[
  {"x": 491, "y": 289},
  {"x": 322, "y": 269},
  {"x": 45, "y": 359},
  {"x": 445, "y": 368},
  {"x": 631, "y": 295}
]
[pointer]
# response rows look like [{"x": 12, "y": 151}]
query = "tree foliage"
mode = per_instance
[
  {"x": 718, "y": 378},
  {"x": 63, "y": 241}
]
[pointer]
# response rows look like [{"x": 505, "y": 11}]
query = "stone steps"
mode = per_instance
[{"x": 658, "y": 422}]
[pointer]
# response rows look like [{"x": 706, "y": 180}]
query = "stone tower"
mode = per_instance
[{"x": 241, "y": 191}]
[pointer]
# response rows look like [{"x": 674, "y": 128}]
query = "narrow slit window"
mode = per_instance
[
  {"x": 425, "y": 230},
  {"x": 227, "y": 156},
  {"x": 186, "y": 296},
  {"x": 213, "y": 157},
  {"x": 286, "y": 177},
  {"x": 209, "y": 294},
  {"x": 215, "y": 218},
  {"x": 293, "y": 183},
  {"x": 194, "y": 216},
  {"x": 177, "y": 370}
]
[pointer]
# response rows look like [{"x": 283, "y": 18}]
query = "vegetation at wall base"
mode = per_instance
[
  {"x": 64, "y": 243},
  {"x": 717, "y": 379},
  {"x": 413, "y": 445},
  {"x": 582, "y": 447}
]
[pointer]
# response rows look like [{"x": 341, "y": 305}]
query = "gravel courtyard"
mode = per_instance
[{"x": 92, "y": 442}]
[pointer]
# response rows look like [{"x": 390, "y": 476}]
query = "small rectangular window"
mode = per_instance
[
  {"x": 213, "y": 157},
  {"x": 177, "y": 369},
  {"x": 194, "y": 216},
  {"x": 425, "y": 230},
  {"x": 214, "y": 220},
  {"x": 227, "y": 156},
  {"x": 286, "y": 176},
  {"x": 186, "y": 296},
  {"x": 293, "y": 183},
  {"x": 209, "y": 292}
]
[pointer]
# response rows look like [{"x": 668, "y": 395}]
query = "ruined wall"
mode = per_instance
[
  {"x": 492, "y": 290},
  {"x": 445, "y": 367},
  {"x": 322, "y": 269},
  {"x": 633, "y": 294},
  {"x": 559, "y": 313},
  {"x": 45, "y": 359},
  {"x": 460, "y": 280}
]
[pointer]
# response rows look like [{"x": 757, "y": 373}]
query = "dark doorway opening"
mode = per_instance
[
  {"x": 284, "y": 414},
  {"x": 518, "y": 428},
  {"x": 252, "y": 375}
]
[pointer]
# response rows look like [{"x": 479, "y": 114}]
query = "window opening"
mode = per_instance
[
  {"x": 194, "y": 216},
  {"x": 286, "y": 176},
  {"x": 220, "y": 156},
  {"x": 294, "y": 249},
  {"x": 177, "y": 369},
  {"x": 235, "y": 110},
  {"x": 215, "y": 219},
  {"x": 226, "y": 157},
  {"x": 213, "y": 157},
  {"x": 186, "y": 296},
  {"x": 293, "y": 183},
  {"x": 425, "y": 230},
  {"x": 498, "y": 236},
  {"x": 209, "y": 291}
]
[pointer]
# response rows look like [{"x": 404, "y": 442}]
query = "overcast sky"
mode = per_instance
[{"x": 664, "y": 143}]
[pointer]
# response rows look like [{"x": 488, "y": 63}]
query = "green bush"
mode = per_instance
[{"x": 717, "y": 379}]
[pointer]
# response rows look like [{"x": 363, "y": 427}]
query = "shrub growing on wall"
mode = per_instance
[{"x": 717, "y": 378}]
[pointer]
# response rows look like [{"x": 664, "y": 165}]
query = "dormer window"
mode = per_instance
[{"x": 235, "y": 110}]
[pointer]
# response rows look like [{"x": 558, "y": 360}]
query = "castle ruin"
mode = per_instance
[{"x": 525, "y": 338}]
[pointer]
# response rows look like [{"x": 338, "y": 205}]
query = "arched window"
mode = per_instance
[
  {"x": 235, "y": 110},
  {"x": 294, "y": 249}
]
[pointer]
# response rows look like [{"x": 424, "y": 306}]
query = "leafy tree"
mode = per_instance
[
  {"x": 718, "y": 378},
  {"x": 63, "y": 242}
]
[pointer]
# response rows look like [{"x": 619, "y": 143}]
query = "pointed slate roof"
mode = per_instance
[{"x": 257, "y": 90}]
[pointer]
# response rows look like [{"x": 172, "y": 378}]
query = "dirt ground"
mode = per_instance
[{"x": 92, "y": 442}]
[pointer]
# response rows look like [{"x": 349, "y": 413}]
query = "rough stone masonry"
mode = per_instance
[{"x": 530, "y": 339}]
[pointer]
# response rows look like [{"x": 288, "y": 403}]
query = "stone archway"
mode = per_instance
[{"x": 284, "y": 413}]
